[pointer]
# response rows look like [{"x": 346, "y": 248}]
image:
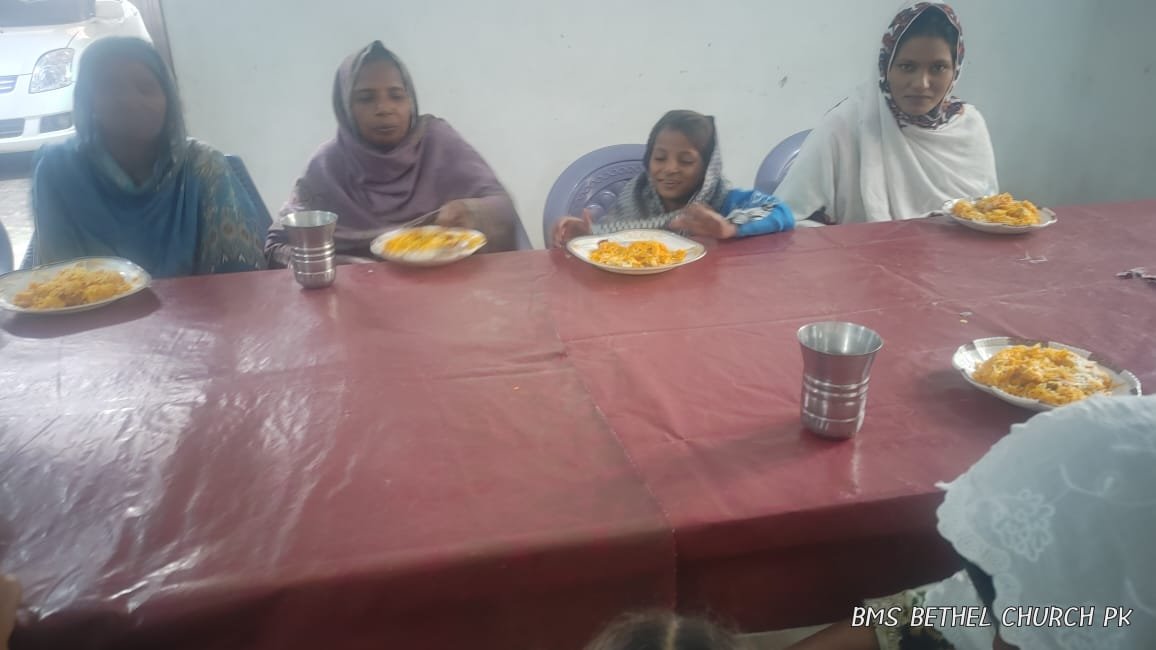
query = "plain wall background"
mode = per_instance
[{"x": 1067, "y": 86}]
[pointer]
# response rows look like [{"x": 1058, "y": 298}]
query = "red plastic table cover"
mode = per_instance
[
  {"x": 507, "y": 451},
  {"x": 698, "y": 373}
]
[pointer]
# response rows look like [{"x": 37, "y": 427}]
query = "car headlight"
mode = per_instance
[{"x": 52, "y": 71}]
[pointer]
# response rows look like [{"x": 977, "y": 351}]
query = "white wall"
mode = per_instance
[{"x": 1067, "y": 88}]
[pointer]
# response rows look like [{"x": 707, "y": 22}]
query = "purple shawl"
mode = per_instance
[{"x": 372, "y": 190}]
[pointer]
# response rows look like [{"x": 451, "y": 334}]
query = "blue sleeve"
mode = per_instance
[{"x": 756, "y": 213}]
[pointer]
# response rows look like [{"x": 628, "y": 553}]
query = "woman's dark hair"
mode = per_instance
[
  {"x": 934, "y": 23},
  {"x": 660, "y": 630},
  {"x": 697, "y": 128}
]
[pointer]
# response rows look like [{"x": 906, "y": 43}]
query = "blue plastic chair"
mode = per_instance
[
  {"x": 591, "y": 183},
  {"x": 5, "y": 251},
  {"x": 242, "y": 173},
  {"x": 775, "y": 166}
]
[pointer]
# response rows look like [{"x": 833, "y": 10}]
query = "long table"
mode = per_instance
[{"x": 508, "y": 451}]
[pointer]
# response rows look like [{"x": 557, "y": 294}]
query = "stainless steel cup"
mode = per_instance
[
  {"x": 311, "y": 242},
  {"x": 837, "y": 360}
]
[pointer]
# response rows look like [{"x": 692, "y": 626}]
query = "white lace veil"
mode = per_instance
[{"x": 1062, "y": 512}]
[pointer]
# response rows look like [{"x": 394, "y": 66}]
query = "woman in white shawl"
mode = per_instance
[
  {"x": 902, "y": 145},
  {"x": 1055, "y": 525}
]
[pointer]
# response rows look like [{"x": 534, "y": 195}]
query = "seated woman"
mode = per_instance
[
  {"x": 683, "y": 189},
  {"x": 389, "y": 165},
  {"x": 1060, "y": 513},
  {"x": 130, "y": 184},
  {"x": 901, "y": 145}
]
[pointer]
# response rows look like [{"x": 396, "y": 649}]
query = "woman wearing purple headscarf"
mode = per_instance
[{"x": 390, "y": 165}]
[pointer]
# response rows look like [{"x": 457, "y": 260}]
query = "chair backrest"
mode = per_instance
[
  {"x": 592, "y": 182},
  {"x": 5, "y": 251},
  {"x": 242, "y": 173},
  {"x": 778, "y": 162}
]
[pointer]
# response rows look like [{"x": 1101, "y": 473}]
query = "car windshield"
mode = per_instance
[{"x": 28, "y": 13}]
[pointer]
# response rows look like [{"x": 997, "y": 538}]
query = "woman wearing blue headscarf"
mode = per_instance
[{"x": 132, "y": 185}]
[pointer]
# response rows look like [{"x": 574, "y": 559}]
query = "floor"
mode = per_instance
[{"x": 15, "y": 212}]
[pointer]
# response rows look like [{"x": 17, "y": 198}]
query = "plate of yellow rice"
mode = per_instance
[
  {"x": 1039, "y": 375},
  {"x": 72, "y": 286},
  {"x": 427, "y": 245},
  {"x": 1000, "y": 214},
  {"x": 636, "y": 252}
]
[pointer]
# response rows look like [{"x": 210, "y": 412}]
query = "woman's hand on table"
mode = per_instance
[
  {"x": 568, "y": 228},
  {"x": 455, "y": 214},
  {"x": 701, "y": 221}
]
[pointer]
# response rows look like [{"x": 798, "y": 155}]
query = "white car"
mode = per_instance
[{"x": 41, "y": 42}]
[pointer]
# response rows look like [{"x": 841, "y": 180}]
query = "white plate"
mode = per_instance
[
  {"x": 582, "y": 247},
  {"x": 1047, "y": 218},
  {"x": 427, "y": 258},
  {"x": 969, "y": 357},
  {"x": 17, "y": 281}
]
